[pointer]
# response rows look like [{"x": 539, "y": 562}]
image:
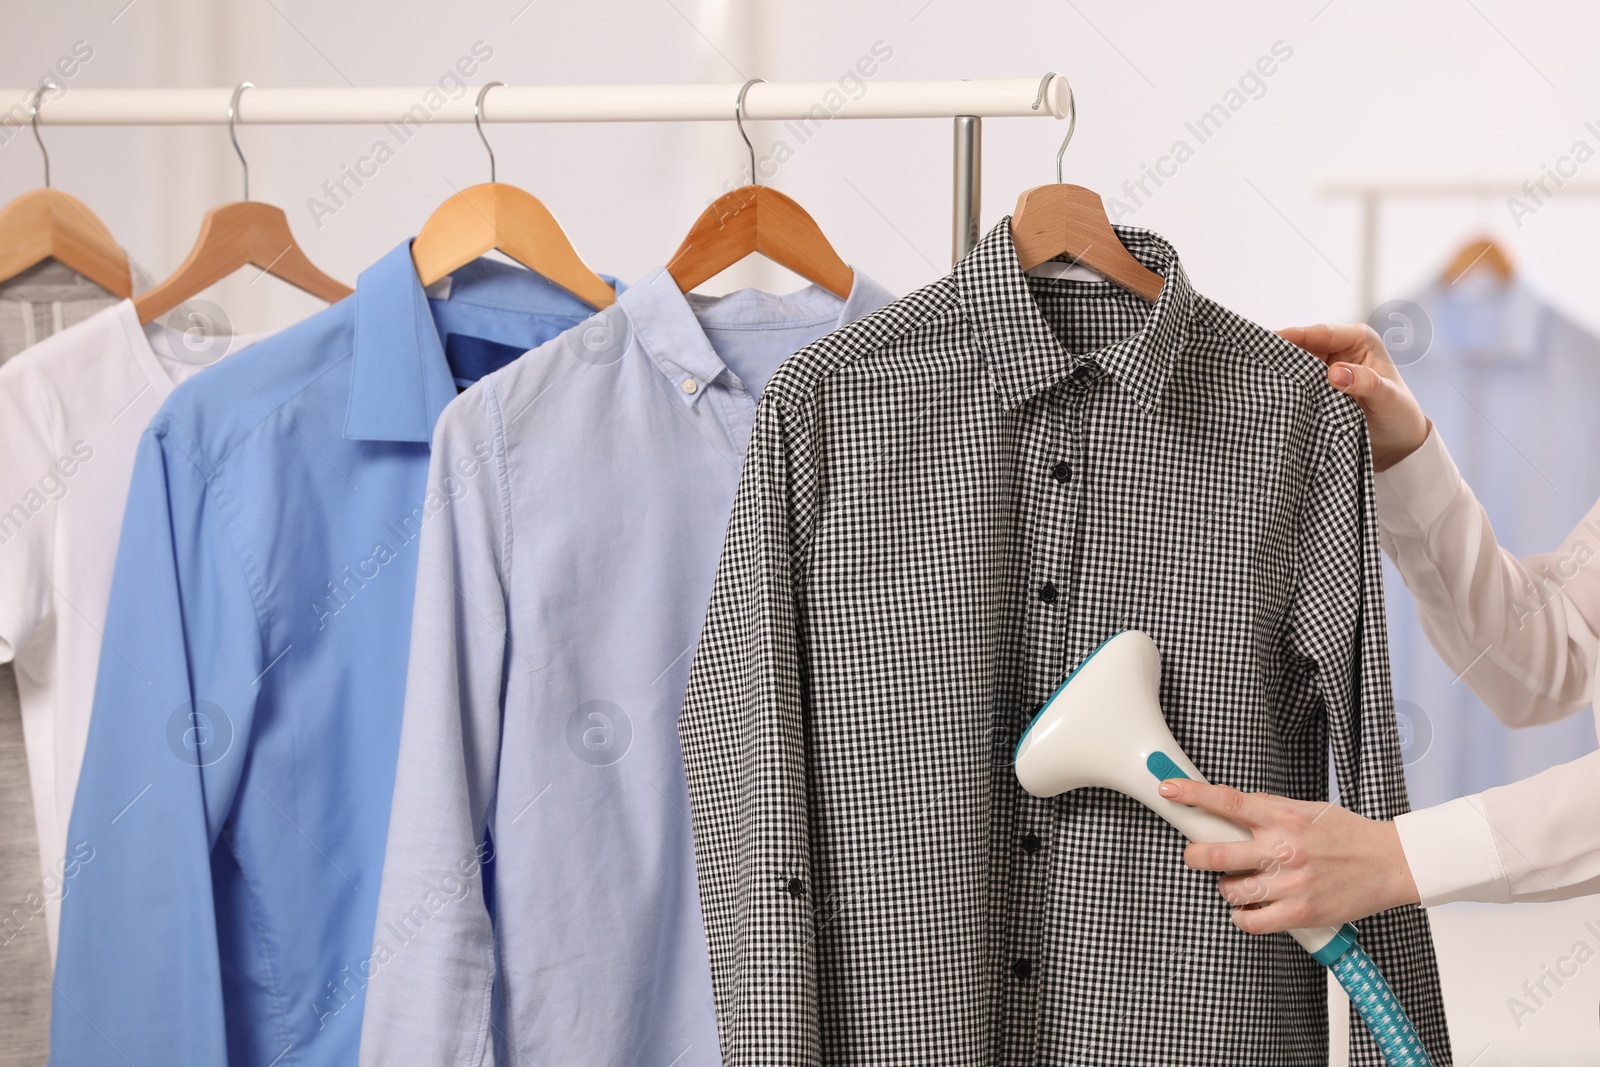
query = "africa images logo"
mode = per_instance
[{"x": 199, "y": 733}]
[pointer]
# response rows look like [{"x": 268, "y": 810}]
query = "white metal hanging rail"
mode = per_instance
[
  {"x": 549, "y": 103},
  {"x": 967, "y": 102}
]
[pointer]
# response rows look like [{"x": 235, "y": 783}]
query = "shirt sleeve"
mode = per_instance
[
  {"x": 32, "y": 478},
  {"x": 1525, "y": 634},
  {"x": 1450, "y": 849},
  {"x": 1531, "y": 840},
  {"x": 1337, "y": 623},
  {"x": 743, "y": 735},
  {"x": 430, "y": 998},
  {"x": 138, "y": 976}
]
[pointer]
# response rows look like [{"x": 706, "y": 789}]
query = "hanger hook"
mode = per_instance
[
  {"x": 738, "y": 118},
  {"x": 1072, "y": 115},
  {"x": 477, "y": 120},
  {"x": 233, "y": 111},
  {"x": 33, "y": 119}
]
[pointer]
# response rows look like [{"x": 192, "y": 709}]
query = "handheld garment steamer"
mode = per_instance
[{"x": 1104, "y": 727}]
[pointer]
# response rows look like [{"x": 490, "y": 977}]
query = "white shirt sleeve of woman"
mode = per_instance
[{"x": 1525, "y": 635}]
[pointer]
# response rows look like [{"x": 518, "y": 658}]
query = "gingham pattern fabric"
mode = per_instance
[{"x": 943, "y": 508}]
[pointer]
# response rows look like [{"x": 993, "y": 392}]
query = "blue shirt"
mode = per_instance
[
  {"x": 235, "y": 790},
  {"x": 1513, "y": 385},
  {"x": 559, "y": 599}
]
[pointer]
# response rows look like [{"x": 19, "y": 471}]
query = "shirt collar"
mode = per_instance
[
  {"x": 1022, "y": 352},
  {"x": 401, "y": 381},
  {"x": 664, "y": 322}
]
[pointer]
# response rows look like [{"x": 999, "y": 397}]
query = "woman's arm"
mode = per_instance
[
  {"x": 1315, "y": 863},
  {"x": 1537, "y": 839},
  {"x": 1521, "y": 633},
  {"x": 1524, "y": 636}
]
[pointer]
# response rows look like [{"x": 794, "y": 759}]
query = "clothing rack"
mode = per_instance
[
  {"x": 1372, "y": 195},
  {"x": 966, "y": 102}
]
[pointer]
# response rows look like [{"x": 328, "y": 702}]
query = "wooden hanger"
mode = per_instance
[
  {"x": 498, "y": 217},
  {"x": 1482, "y": 253},
  {"x": 49, "y": 224},
  {"x": 235, "y": 235},
  {"x": 246, "y": 232},
  {"x": 1051, "y": 220},
  {"x": 495, "y": 216},
  {"x": 755, "y": 218}
]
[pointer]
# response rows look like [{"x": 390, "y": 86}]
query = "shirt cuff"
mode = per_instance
[
  {"x": 1413, "y": 493},
  {"x": 1452, "y": 855}
]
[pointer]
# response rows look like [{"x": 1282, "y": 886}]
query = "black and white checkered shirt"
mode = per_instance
[{"x": 944, "y": 507}]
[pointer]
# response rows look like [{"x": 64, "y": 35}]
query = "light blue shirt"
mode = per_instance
[
  {"x": 560, "y": 596},
  {"x": 235, "y": 790},
  {"x": 1513, "y": 385}
]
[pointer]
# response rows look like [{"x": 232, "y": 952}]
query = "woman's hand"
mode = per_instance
[
  {"x": 1310, "y": 864},
  {"x": 1359, "y": 365}
]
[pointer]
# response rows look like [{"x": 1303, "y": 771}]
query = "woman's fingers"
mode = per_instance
[
  {"x": 1396, "y": 425},
  {"x": 1307, "y": 863},
  {"x": 1296, "y": 335},
  {"x": 1226, "y": 855},
  {"x": 1330, "y": 341},
  {"x": 1247, "y": 809},
  {"x": 1257, "y": 887},
  {"x": 1359, "y": 366},
  {"x": 1271, "y": 919},
  {"x": 1363, "y": 383}
]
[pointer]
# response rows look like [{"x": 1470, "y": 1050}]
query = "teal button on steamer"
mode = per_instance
[{"x": 1103, "y": 727}]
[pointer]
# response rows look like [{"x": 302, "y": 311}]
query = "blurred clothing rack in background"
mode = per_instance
[{"x": 1371, "y": 194}]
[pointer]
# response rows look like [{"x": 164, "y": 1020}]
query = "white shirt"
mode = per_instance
[
  {"x": 1525, "y": 635},
  {"x": 72, "y": 409}
]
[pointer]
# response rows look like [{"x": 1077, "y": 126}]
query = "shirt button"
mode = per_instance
[
  {"x": 1061, "y": 471},
  {"x": 1022, "y": 968},
  {"x": 797, "y": 888},
  {"x": 1030, "y": 843},
  {"x": 690, "y": 385},
  {"x": 1047, "y": 593}
]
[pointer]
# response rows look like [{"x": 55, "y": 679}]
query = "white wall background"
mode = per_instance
[{"x": 1432, "y": 89}]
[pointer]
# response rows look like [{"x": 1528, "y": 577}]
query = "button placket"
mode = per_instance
[
  {"x": 1077, "y": 393},
  {"x": 1049, "y": 450},
  {"x": 1062, "y": 520}
]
